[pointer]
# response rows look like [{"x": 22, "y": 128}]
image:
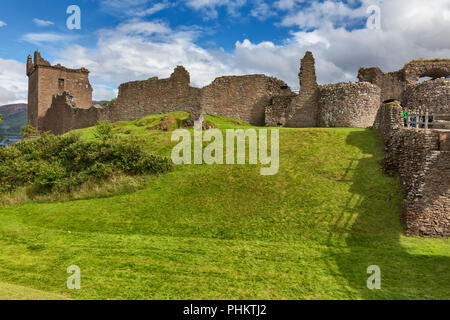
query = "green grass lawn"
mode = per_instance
[{"x": 226, "y": 232}]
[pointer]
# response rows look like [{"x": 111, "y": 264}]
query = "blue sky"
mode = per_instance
[{"x": 136, "y": 39}]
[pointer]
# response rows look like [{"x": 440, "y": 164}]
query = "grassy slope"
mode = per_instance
[
  {"x": 13, "y": 292},
  {"x": 226, "y": 232}
]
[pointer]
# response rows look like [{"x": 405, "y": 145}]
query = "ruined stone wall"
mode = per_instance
[
  {"x": 155, "y": 96},
  {"x": 433, "y": 95},
  {"x": 276, "y": 111},
  {"x": 33, "y": 93},
  {"x": 46, "y": 80},
  {"x": 64, "y": 115},
  {"x": 425, "y": 175},
  {"x": 422, "y": 160},
  {"x": 351, "y": 104},
  {"x": 392, "y": 84},
  {"x": 242, "y": 97},
  {"x": 303, "y": 111},
  {"x": 413, "y": 71},
  {"x": 257, "y": 99}
]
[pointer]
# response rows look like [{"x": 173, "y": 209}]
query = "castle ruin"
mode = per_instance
[
  {"x": 60, "y": 100},
  {"x": 46, "y": 81}
]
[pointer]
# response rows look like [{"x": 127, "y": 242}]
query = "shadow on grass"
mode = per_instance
[{"x": 411, "y": 268}]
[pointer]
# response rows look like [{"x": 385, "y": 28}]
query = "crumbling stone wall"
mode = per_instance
[
  {"x": 277, "y": 110},
  {"x": 300, "y": 110},
  {"x": 433, "y": 95},
  {"x": 242, "y": 97},
  {"x": 257, "y": 99},
  {"x": 303, "y": 111},
  {"x": 422, "y": 160},
  {"x": 336, "y": 105},
  {"x": 351, "y": 104},
  {"x": 138, "y": 99},
  {"x": 413, "y": 71},
  {"x": 64, "y": 115},
  {"x": 46, "y": 80},
  {"x": 394, "y": 84}
]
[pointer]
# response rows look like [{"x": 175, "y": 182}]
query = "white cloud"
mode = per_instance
[
  {"x": 134, "y": 8},
  {"x": 42, "y": 38},
  {"x": 139, "y": 50},
  {"x": 286, "y": 4},
  {"x": 42, "y": 23},
  {"x": 104, "y": 93},
  {"x": 139, "y": 28},
  {"x": 210, "y": 7},
  {"x": 2, "y": 24},
  {"x": 13, "y": 82},
  {"x": 331, "y": 12},
  {"x": 262, "y": 10},
  {"x": 151, "y": 10},
  {"x": 407, "y": 33}
]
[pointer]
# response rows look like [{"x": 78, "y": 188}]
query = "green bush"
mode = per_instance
[
  {"x": 61, "y": 163},
  {"x": 104, "y": 130},
  {"x": 29, "y": 131}
]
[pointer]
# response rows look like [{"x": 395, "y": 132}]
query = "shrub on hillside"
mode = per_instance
[
  {"x": 104, "y": 130},
  {"x": 29, "y": 131},
  {"x": 62, "y": 163}
]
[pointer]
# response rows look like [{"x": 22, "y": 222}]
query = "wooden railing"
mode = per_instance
[{"x": 423, "y": 121}]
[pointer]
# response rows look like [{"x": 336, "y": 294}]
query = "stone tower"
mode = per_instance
[
  {"x": 304, "y": 108},
  {"x": 45, "y": 81}
]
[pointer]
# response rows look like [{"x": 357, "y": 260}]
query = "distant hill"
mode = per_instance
[
  {"x": 100, "y": 102},
  {"x": 14, "y": 117}
]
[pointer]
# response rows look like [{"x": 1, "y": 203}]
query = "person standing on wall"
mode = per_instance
[
  {"x": 430, "y": 115},
  {"x": 405, "y": 116},
  {"x": 413, "y": 117},
  {"x": 420, "y": 117}
]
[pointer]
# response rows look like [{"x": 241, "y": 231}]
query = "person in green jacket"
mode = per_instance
[{"x": 405, "y": 116}]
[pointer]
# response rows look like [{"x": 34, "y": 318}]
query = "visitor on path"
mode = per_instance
[
  {"x": 430, "y": 116},
  {"x": 421, "y": 117},
  {"x": 413, "y": 117},
  {"x": 405, "y": 116}
]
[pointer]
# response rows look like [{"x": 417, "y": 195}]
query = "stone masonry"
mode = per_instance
[
  {"x": 394, "y": 84},
  {"x": 138, "y": 99},
  {"x": 336, "y": 105},
  {"x": 422, "y": 160},
  {"x": 64, "y": 115},
  {"x": 433, "y": 95},
  {"x": 348, "y": 104},
  {"x": 46, "y": 80},
  {"x": 257, "y": 99},
  {"x": 303, "y": 111},
  {"x": 60, "y": 100},
  {"x": 242, "y": 97}
]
